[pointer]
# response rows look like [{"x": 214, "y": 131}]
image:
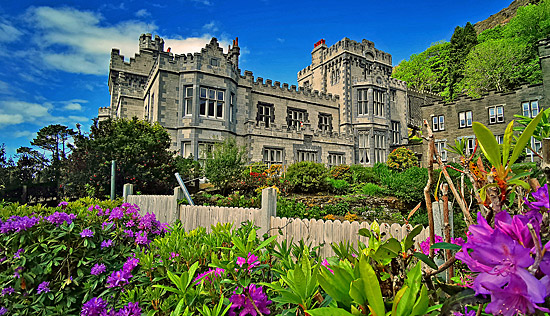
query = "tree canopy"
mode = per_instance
[
  {"x": 140, "y": 150},
  {"x": 451, "y": 68}
]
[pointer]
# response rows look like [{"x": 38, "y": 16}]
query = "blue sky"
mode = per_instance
[{"x": 54, "y": 55}]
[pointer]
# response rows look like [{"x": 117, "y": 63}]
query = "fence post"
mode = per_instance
[
  {"x": 269, "y": 208},
  {"x": 178, "y": 195},
  {"x": 128, "y": 189}
]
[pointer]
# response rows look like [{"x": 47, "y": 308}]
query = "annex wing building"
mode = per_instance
[{"x": 346, "y": 109}]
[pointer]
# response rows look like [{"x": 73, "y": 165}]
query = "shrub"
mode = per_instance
[
  {"x": 307, "y": 176},
  {"x": 338, "y": 186},
  {"x": 401, "y": 159},
  {"x": 341, "y": 172},
  {"x": 55, "y": 262},
  {"x": 225, "y": 164},
  {"x": 362, "y": 174},
  {"x": 373, "y": 189}
]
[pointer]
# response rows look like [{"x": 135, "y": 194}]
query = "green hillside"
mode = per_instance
[{"x": 499, "y": 59}]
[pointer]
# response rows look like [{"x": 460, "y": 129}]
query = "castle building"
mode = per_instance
[{"x": 346, "y": 109}]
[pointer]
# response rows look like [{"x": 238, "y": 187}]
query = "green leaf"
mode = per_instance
[
  {"x": 329, "y": 311},
  {"x": 388, "y": 250},
  {"x": 265, "y": 243},
  {"x": 409, "y": 241},
  {"x": 421, "y": 305},
  {"x": 426, "y": 260},
  {"x": 337, "y": 285},
  {"x": 507, "y": 142},
  {"x": 521, "y": 183},
  {"x": 524, "y": 138},
  {"x": 365, "y": 232},
  {"x": 487, "y": 143},
  {"x": 445, "y": 245},
  {"x": 178, "y": 309},
  {"x": 368, "y": 286}
]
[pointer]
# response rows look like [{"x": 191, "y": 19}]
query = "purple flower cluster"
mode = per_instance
[
  {"x": 18, "y": 253},
  {"x": 59, "y": 218},
  {"x": 8, "y": 291},
  {"x": 17, "y": 224},
  {"x": 106, "y": 243},
  {"x": 251, "y": 260},
  {"x": 502, "y": 256},
  {"x": 43, "y": 287},
  {"x": 242, "y": 303},
  {"x": 86, "y": 233},
  {"x": 3, "y": 311},
  {"x": 425, "y": 245},
  {"x": 98, "y": 307},
  {"x": 98, "y": 269},
  {"x": 121, "y": 277},
  {"x": 209, "y": 275}
]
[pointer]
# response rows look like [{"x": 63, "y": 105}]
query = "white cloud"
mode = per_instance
[
  {"x": 24, "y": 134},
  {"x": 280, "y": 40},
  {"x": 210, "y": 27},
  {"x": 8, "y": 33},
  {"x": 191, "y": 44},
  {"x": 5, "y": 88},
  {"x": 13, "y": 112},
  {"x": 77, "y": 41},
  {"x": 143, "y": 13},
  {"x": 73, "y": 107}
]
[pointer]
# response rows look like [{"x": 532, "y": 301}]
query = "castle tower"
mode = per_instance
[{"x": 146, "y": 42}]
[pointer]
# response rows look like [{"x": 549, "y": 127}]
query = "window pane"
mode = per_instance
[
  {"x": 219, "y": 112},
  {"x": 189, "y": 92},
  {"x": 203, "y": 107},
  {"x": 210, "y": 108},
  {"x": 188, "y": 106},
  {"x": 534, "y": 108},
  {"x": 220, "y": 95},
  {"x": 525, "y": 106},
  {"x": 203, "y": 92},
  {"x": 491, "y": 111},
  {"x": 211, "y": 94}
]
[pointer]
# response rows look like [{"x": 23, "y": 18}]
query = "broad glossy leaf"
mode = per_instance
[
  {"x": 426, "y": 260},
  {"x": 388, "y": 250},
  {"x": 337, "y": 285},
  {"x": 507, "y": 142},
  {"x": 365, "y": 232},
  {"x": 521, "y": 183},
  {"x": 422, "y": 303},
  {"x": 524, "y": 138},
  {"x": 329, "y": 311},
  {"x": 445, "y": 245},
  {"x": 487, "y": 143},
  {"x": 368, "y": 286},
  {"x": 409, "y": 241}
]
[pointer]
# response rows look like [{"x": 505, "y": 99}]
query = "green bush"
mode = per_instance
[
  {"x": 307, "y": 176},
  {"x": 401, "y": 159},
  {"x": 338, "y": 186},
  {"x": 407, "y": 185},
  {"x": 225, "y": 164},
  {"x": 341, "y": 172},
  {"x": 362, "y": 174},
  {"x": 373, "y": 190}
]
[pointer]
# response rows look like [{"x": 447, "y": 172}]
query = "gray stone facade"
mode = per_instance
[{"x": 346, "y": 110}]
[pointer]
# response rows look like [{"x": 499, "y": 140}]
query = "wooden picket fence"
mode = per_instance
[{"x": 313, "y": 232}]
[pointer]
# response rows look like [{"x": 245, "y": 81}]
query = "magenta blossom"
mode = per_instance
[
  {"x": 251, "y": 260},
  {"x": 541, "y": 199},
  {"x": 326, "y": 265},
  {"x": 98, "y": 269},
  {"x": 209, "y": 275},
  {"x": 94, "y": 307},
  {"x": 106, "y": 243},
  {"x": 502, "y": 263},
  {"x": 241, "y": 303}
]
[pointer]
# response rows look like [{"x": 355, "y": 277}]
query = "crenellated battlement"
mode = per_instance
[
  {"x": 423, "y": 93},
  {"x": 398, "y": 83},
  {"x": 365, "y": 48},
  {"x": 259, "y": 83}
]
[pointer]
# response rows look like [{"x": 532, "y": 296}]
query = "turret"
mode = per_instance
[
  {"x": 147, "y": 43},
  {"x": 234, "y": 53},
  {"x": 317, "y": 53}
]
